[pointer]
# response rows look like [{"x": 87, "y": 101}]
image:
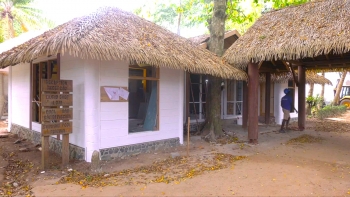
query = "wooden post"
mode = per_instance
[
  {"x": 188, "y": 136},
  {"x": 267, "y": 98},
  {"x": 245, "y": 106},
  {"x": 45, "y": 152},
  {"x": 188, "y": 94},
  {"x": 253, "y": 76},
  {"x": 301, "y": 98},
  {"x": 65, "y": 150}
]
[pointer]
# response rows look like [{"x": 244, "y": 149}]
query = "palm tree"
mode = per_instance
[{"x": 18, "y": 16}]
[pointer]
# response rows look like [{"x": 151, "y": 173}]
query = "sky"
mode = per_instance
[{"x": 64, "y": 10}]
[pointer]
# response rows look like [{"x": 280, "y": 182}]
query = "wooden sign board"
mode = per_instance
[
  {"x": 51, "y": 85},
  {"x": 53, "y": 114},
  {"x": 105, "y": 98},
  {"x": 52, "y": 100},
  {"x": 58, "y": 128}
]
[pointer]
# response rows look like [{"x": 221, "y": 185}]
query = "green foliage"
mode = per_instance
[
  {"x": 24, "y": 17},
  {"x": 330, "y": 111},
  {"x": 241, "y": 14},
  {"x": 315, "y": 104},
  {"x": 277, "y": 4},
  {"x": 314, "y": 101},
  {"x": 198, "y": 12}
]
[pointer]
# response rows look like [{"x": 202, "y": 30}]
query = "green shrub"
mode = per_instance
[{"x": 330, "y": 111}]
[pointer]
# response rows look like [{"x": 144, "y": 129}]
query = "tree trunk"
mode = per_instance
[
  {"x": 216, "y": 45},
  {"x": 322, "y": 89},
  {"x": 311, "y": 91},
  {"x": 339, "y": 87},
  {"x": 9, "y": 31},
  {"x": 179, "y": 21}
]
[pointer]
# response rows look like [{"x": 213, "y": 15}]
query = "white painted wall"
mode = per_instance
[
  {"x": 20, "y": 94},
  {"x": 98, "y": 125},
  {"x": 72, "y": 68},
  {"x": 278, "y": 94},
  {"x": 114, "y": 115},
  {"x": 91, "y": 106}
]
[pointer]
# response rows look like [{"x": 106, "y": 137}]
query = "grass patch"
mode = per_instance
[
  {"x": 303, "y": 139},
  {"x": 330, "y": 111}
]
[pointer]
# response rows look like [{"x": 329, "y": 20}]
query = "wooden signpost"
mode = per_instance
[{"x": 56, "y": 116}]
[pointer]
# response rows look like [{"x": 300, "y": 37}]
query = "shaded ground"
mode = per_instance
[{"x": 309, "y": 163}]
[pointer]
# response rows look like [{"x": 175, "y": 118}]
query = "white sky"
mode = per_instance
[
  {"x": 61, "y": 11},
  {"x": 64, "y": 10}
]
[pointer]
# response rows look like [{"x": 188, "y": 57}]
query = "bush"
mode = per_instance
[
  {"x": 330, "y": 111},
  {"x": 314, "y": 104}
]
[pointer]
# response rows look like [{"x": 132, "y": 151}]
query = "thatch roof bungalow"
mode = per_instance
[
  {"x": 312, "y": 36},
  {"x": 112, "y": 34},
  {"x": 312, "y": 32},
  {"x": 128, "y": 83}
]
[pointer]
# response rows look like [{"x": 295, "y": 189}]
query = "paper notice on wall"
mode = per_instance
[
  {"x": 124, "y": 93},
  {"x": 113, "y": 93}
]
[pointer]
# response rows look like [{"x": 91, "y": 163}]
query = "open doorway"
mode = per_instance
[{"x": 42, "y": 70}]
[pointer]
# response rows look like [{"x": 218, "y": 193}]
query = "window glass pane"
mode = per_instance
[
  {"x": 230, "y": 108},
  {"x": 197, "y": 111},
  {"x": 54, "y": 70},
  {"x": 143, "y": 99},
  {"x": 195, "y": 78},
  {"x": 195, "y": 93},
  {"x": 239, "y": 90},
  {"x": 239, "y": 106}
]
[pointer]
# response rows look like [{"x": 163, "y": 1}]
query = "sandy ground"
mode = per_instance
[{"x": 274, "y": 167}]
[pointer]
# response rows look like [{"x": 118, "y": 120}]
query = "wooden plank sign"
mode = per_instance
[
  {"x": 52, "y": 100},
  {"x": 51, "y": 85},
  {"x": 53, "y": 114},
  {"x": 58, "y": 128}
]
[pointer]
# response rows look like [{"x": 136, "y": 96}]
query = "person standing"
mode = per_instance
[{"x": 286, "y": 104}]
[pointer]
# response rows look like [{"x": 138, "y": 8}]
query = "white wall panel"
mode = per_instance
[
  {"x": 114, "y": 116},
  {"x": 20, "y": 94}
]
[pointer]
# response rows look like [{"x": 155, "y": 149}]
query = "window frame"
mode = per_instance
[{"x": 144, "y": 78}]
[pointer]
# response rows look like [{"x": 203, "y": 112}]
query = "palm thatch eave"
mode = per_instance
[
  {"x": 311, "y": 77},
  {"x": 112, "y": 34},
  {"x": 293, "y": 33}
]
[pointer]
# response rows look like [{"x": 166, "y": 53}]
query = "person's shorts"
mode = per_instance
[{"x": 286, "y": 114}]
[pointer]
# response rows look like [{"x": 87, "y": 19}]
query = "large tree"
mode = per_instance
[
  {"x": 18, "y": 16},
  {"x": 216, "y": 45}
]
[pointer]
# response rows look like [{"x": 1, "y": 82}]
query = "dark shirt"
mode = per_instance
[{"x": 286, "y": 102}]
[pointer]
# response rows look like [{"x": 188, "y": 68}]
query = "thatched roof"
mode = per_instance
[
  {"x": 311, "y": 77},
  {"x": 197, "y": 40},
  {"x": 13, "y": 42},
  {"x": 230, "y": 37},
  {"x": 111, "y": 33},
  {"x": 308, "y": 30}
]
